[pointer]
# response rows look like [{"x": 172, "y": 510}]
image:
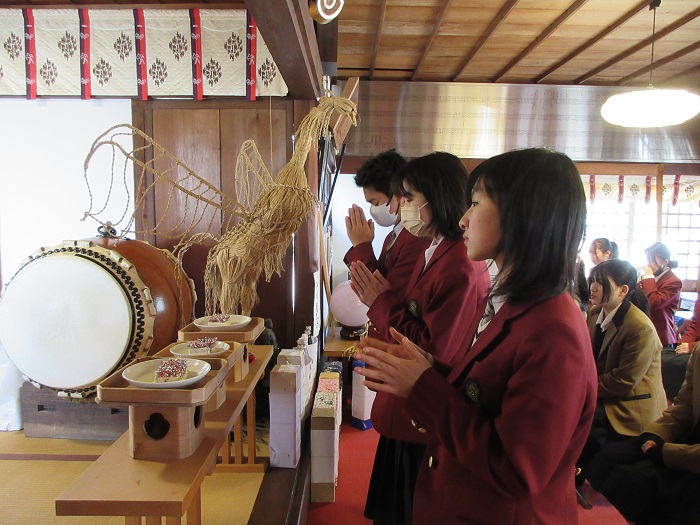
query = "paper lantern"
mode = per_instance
[{"x": 347, "y": 307}]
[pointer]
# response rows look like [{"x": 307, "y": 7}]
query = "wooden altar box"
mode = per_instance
[
  {"x": 165, "y": 423},
  {"x": 47, "y": 415}
]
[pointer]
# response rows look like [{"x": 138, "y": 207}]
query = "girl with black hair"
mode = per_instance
[
  {"x": 444, "y": 286},
  {"x": 628, "y": 358},
  {"x": 603, "y": 249},
  {"x": 506, "y": 420}
]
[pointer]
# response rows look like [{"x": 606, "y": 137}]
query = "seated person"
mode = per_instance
[
  {"x": 628, "y": 359},
  {"x": 654, "y": 479},
  {"x": 674, "y": 366}
]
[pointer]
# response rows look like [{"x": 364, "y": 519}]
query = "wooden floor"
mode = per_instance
[{"x": 35, "y": 471}]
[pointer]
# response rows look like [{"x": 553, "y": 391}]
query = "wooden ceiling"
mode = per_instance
[
  {"x": 573, "y": 42},
  {"x": 570, "y": 42}
]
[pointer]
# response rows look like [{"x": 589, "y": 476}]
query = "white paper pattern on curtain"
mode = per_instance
[
  {"x": 168, "y": 52},
  {"x": 689, "y": 188},
  {"x": 112, "y": 53},
  {"x": 13, "y": 75},
  {"x": 57, "y": 52},
  {"x": 635, "y": 188},
  {"x": 223, "y": 52},
  {"x": 269, "y": 81}
]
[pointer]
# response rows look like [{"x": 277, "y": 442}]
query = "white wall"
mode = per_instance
[
  {"x": 43, "y": 193},
  {"x": 345, "y": 195}
]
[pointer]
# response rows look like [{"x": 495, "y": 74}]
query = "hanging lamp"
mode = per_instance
[{"x": 651, "y": 107}]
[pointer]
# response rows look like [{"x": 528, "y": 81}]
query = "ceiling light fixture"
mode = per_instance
[{"x": 650, "y": 107}]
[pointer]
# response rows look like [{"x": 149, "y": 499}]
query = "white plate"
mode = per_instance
[
  {"x": 239, "y": 321},
  {"x": 184, "y": 350},
  {"x": 143, "y": 374}
]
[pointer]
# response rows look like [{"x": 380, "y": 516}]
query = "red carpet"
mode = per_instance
[{"x": 357, "y": 449}]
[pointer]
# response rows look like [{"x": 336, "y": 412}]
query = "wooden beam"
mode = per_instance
[
  {"x": 433, "y": 35},
  {"x": 288, "y": 30},
  {"x": 377, "y": 36},
  {"x": 641, "y": 45},
  {"x": 644, "y": 4},
  {"x": 490, "y": 30},
  {"x": 545, "y": 34},
  {"x": 658, "y": 63}
]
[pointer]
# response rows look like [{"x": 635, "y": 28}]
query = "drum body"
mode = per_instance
[{"x": 75, "y": 313}]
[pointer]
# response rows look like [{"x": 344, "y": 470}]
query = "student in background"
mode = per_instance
[
  {"x": 506, "y": 420},
  {"x": 628, "y": 359},
  {"x": 663, "y": 289},
  {"x": 400, "y": 250},
  {"x": 654, "y": 479},
  {"x": 603, "y": 249},
  {"x": 674, "y": 366}
]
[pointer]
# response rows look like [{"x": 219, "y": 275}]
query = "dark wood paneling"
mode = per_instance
[{"x": 207, "y": 136}]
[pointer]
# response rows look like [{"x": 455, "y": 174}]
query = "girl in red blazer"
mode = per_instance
[
  {"x": 444, "y": 286},
  {"x": 663, "y": 289},
  {"x": 507, "y": 419}
]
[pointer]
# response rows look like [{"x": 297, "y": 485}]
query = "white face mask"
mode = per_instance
[
  {"x": 410, "y": 216},
  {"x": 382, "y": 215}
]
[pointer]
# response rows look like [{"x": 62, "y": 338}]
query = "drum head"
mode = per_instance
[{"x": 65, "y": 321}]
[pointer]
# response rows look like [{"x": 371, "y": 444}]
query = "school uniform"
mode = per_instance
[
  {"x": 432, "y": 310},
  {"x": 673, "y": 365},
  {"x": 664, "y": 294},
  {"x": 397, "y": 258},
  {"x": 629, "y": 369},
  {"x": 440, "y": 297},
  {"x": 658, "y": 488},
  {"x": 506, "y": 423}
]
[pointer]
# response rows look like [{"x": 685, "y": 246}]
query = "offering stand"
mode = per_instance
[{"x": 118, "y": 485}]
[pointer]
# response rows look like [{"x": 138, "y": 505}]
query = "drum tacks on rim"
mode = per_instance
[{"x": 76, "y": 312}]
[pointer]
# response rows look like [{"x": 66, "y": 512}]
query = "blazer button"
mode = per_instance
[
  {"x": 418, "y": 427},
  {"x": 430, "y": 462}
]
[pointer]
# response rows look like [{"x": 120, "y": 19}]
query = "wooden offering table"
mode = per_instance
[
  {"x": 229, "y": 417},
  {"x": 118, "y": 485}
]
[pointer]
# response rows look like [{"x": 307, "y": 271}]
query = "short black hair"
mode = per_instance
[
  {"x": 542, "y": 209},
  {"x": 621, "y": 272},
  {"x": 443, "y": 179},
  {"x": 378, "y": 171}
]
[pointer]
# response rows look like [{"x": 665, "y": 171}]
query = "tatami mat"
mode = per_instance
[{"x": 35, "y": 471}]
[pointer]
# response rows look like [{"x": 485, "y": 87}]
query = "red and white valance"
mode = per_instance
[
  {"x": 133, "y": 53},
  {"x": 625, "y": 188}
]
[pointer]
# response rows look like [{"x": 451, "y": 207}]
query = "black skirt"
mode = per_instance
[{"x": 394, "y": 474}]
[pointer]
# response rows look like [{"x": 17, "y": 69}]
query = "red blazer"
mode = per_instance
[
  {"x": 437, "y": 303},
  {"x": 664, "y": 296},
  {"x": 692, "y": 332},
  {"x": 397, "y": 265},
  {"x": 506, "y": 424}
]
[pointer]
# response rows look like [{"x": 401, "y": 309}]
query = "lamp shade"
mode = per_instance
[
  {"x": 651, "y": 108},
  {"x": 347, "y": 307}
]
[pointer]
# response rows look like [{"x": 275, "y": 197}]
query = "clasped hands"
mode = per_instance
[
  {"x": 358, "y": 227},
  {"x": 367, "y": 285},
  {"x": 391, "y": 367}
]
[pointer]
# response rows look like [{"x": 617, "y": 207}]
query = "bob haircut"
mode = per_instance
[
  {"x": 542, "y": 209},
  {"x": 606, "y": 245},
  {"x": 621, "y": 273},
  {"x": 442, "y": 179},
  {"x": 378, "y": 171}
]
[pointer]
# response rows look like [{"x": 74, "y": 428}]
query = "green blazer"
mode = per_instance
[
  {"x": 677, "y": 421},
  {"x": 629, "y": 370}
]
